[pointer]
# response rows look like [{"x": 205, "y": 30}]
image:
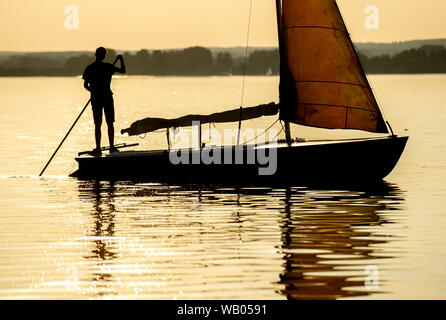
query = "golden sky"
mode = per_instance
[{"x": 40, "y": 25}]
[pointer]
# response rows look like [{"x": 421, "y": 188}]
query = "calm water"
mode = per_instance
[{"x": 61, "y": 238}]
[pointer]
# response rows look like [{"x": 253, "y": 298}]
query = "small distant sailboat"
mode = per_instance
[
  {"x": 322, "y": 84},
  {"x": 269, "y": 72}
]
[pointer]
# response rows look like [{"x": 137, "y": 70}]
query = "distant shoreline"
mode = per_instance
[{"x": 200, "y": 61}]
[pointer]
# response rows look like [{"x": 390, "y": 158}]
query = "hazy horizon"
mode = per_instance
[
  {"x": 41, "y": 26},
  {"x": 192, "y": 45}
]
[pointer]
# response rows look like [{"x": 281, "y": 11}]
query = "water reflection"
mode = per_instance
[
  {"x": 101, "y": 195},
  {"x": 326, "y": 243},
  {"x": 322, "y": 239}
]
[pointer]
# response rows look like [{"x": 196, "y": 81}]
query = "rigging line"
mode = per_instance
[
  {"x": 255, "y": 138},
  {"x": 246, "y": 53},
  {"x": 244, "y": 73},
  {"x": 281, "y": 130},
  {"x": 281, "y": 124}
]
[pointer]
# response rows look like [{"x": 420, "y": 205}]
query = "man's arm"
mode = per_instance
[
  {"x": 87, "y": 85},
  {"x": 122, "y": 69},
  {"x": 86, "y": 77}
]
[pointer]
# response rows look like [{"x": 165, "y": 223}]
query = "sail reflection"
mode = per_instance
[
  {"x": 329, "y": 237},
  {"x": 326, "y": 245}
]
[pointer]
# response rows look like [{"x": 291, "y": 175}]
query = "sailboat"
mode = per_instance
[{"x": 322, "y": 85}]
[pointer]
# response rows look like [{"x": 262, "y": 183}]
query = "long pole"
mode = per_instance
[
  {"x": 66, "y": 136},
  {"x": 68, "y": 133}
]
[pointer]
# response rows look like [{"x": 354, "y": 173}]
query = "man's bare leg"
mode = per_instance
[
  {"x": 97, "y": 135},
  {"x": 111, "y": 134}
]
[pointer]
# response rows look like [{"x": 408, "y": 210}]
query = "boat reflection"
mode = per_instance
[
  {"x": 323, "y": 239},
  {"x": 327, "y": 248},
  {"x": 330, "y": 237}
]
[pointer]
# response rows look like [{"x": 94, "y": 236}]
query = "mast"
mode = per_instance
[{"x": 282, "y": 60}]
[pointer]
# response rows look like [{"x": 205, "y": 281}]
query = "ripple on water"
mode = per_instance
[{"x": 102, "y": 239}]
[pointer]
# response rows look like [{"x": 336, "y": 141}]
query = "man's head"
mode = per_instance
[{"x": 100, "y": 53}]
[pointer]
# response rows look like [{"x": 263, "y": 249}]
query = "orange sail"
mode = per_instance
[{"x": 322, "y": 81}]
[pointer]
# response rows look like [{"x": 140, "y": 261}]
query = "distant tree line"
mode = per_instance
[
  {"x": 194, "y": 61},
  {"x": 426, "y": 59},
  {"x": 199, "y": 61}
]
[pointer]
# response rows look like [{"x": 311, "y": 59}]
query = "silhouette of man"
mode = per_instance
[{"x": 97, "y": 77}]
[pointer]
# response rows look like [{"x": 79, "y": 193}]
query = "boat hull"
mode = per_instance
[{"x": 299, "y": 163}]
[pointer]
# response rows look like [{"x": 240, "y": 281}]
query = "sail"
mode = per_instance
[
  {"x": 153, "y": 124},
  {"x": 322, "y": 81}
]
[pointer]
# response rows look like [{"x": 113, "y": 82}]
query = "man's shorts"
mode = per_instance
[{"x": 103, "y": 103}]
